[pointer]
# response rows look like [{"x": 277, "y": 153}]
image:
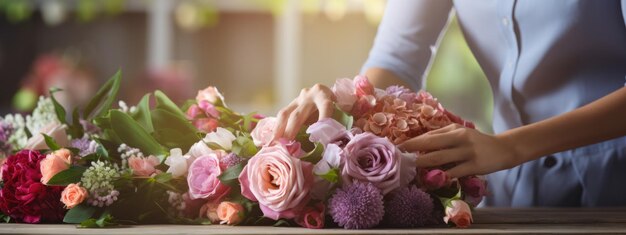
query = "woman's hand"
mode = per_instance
[
  {"x": 469, "y": 151},
  {"x": 317, "y": 99}
]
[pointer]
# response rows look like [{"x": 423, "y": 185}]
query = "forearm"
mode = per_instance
[
  {"x": 600, "y": 120},
  {"x": 382, "y": 78}
]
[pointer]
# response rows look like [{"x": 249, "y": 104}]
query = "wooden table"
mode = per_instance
[{"x": 487, "y": 221}]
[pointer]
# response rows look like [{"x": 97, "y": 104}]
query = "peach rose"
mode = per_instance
[
  {"x": 143, "y": 166},
  {"x": 459, "y": 213},
  {"x": 54, "y": 163},
  {"x": 209, "y": 211},
  {"x": 73, "y": 195},
  {"x": 230, "y": 212}
]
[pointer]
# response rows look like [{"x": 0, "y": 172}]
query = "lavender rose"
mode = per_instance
[{"x": 369, "y": 158}]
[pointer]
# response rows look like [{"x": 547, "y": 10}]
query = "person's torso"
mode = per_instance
[{"x": 545, "y": 58}]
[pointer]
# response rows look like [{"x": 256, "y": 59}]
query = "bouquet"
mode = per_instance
[{"x": 203, "y": 163}]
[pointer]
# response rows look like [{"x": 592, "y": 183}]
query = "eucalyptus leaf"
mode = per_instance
[
  {"x": 102, "y": 101},
  {"x": 131, "y": 133}
]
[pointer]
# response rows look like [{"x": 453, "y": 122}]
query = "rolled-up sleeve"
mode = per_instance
[{"x": 407, "y": 32}]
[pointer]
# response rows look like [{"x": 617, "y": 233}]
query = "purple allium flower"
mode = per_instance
[
  {"x": 408, "y": 207},
  {"x": 231, "y": 160},
  {"x": 357, "y": 206},
  {"x": 85, "y": 146}
]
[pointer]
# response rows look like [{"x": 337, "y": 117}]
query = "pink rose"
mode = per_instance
[
  {"x": 327, "y": 131},
  {"x": 210, "y": 94},
  {"x": 474, "y": 189},
  {"x": 363, "y": 86},
  {"x": 230, "y": 212},
  {"x": 73, "y": 195},
  {"x": 435, "y": 179},
  {"x": 54, "y": 163},
  {"x": 143, "y": 166},
  {"x": 209, "y": 109},
  {"x": 459, "y": 213},
  {"x": 345, "y": 92},
  {"x": 193, "y": 111},
  {"x": 278, "y": 181},
  {"x": 54, "y": 130},
  {"x": 205, "y": 124},
  {"x": 312, "y": 217},
  {"x": 263, "y": 133},
  {"x": 369, "y": 158},
  {"x": 202, "y": 178}
]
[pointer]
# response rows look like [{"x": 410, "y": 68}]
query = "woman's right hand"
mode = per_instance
[{"x": 317, "y": 99}]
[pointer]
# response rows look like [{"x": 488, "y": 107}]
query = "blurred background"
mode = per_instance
[{"x": 259, "y": 53}]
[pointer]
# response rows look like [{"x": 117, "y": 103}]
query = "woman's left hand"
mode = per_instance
[{"x": 471, "y": 152}]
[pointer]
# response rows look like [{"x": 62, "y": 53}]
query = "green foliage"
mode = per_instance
[
  {"x": 172, "y": 130},
  {"x": 331, "y": 176},
  {"x": 105, "y": 220},
  {"x": 58, "y": 109},
  {"x": 102, "y": 101},
  {"x": 314, "y": 155},
  {"x": 52, "y": 144},
  {"x": 231, "y": 175},
  {"x": 243, "y": 146},
  {"x": 130, "y": 132},
  {"x": 163, "y": 102},
  {"x": 79, "y": 214},
  {"x": 142, "y": 116},
  {"x": 69, "y": 176},
  {"x": 343, "y": 118}
]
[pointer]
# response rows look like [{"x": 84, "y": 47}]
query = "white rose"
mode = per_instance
[
  {"x": 177, "y": 162},
  {"x": 54, "y": 130},
  {"x": 222, "y": 137}
]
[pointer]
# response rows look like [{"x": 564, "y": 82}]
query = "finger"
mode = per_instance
[
  {"x": 281, "y": 120},
  {"x": 325, "y": 108},
  {"x": 296, "y": 120},
  {"x": 440, "y": 158},
  {"x": 445, "y": 129},
  {"x": 430, "y": 142},
  {"x": 459, "y": 171}
]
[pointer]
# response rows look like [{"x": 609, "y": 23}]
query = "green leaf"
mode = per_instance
[
  {"x": 173, "y": 131},
  {"x": 315, "y": 155},
  {"x": 131, "y": 133},
  {"x": 343, "y": 118},
  {"x": 69, "y": 176},
  {"x": 52, "y": 144},
  {"x": 79, "y": 213},
  {"x": 231, "y": 175},
  {"x": 331, "y": 176},
  {"x": 58, "y": 109},
  {"x": 142, "y": 116},
  {"x": 244, "y": 147},
  {"x": 103, "y": 99},
  {"x": 163, "y": 102},
  {"x": 76, "y": 130},
  {"x": 101, "y": 152},
  {"x": 163, "y": 177}
]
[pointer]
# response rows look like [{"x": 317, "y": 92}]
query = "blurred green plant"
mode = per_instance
[{"x": 459, "y": 82}]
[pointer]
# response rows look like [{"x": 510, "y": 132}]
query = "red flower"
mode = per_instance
[{"x": 23, "y": 197}]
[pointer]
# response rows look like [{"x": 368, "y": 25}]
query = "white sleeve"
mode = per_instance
[{"x": 407, "y": 32}]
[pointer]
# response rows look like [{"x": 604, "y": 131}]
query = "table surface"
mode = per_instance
[{"x": 486, "y": 221}]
